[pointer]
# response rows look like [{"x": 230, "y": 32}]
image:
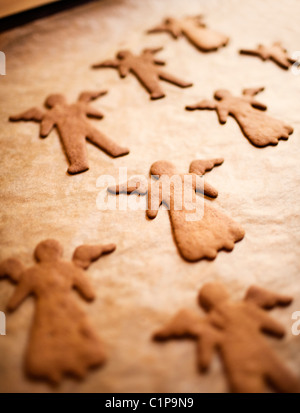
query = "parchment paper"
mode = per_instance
[{"x": 145, "y": 281}]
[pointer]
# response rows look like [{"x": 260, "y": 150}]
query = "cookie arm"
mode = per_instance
[
  {"x": 82, "y": 284},
  {"x": 22, "y": 291},
  {"x": 87, "y": 97},
  {"x": 151, "y": 51},
  {"x": 258, "y": 105},
  {"x": 291, "y": 60},
  {"x": 158, "y": 29},
  {"x": 184, "y": 324},
  {"x": 199, "y": 20},
  {"x": 159, "y": 62},
  {"x": 123, "y": 70},
  {"x": 222, "y": 113},
  {"x": 137, "y": 184},
  {"x": 33, "y": 114},
  {"x": 267, "y": 324},
  {"x": 113, "y": 63},
  {"x": 203, "y": 105},
  {"x": 154, "y": 199},
  {"x": 253, "y": 91},
  {"x": 208, "y": 341},
  {"x": 166, "y": 27},
  {"x": 94, "y": 113},
  {"x": 188, "y": 324},
  {"x": 283, "y": 61},
  {"x": 84, "y": 255},
  {"x": 252, "y": 52},
  {"x": 11, "y": 268},
  {"x": 199, "y": 185},
  {"x": 47, "y": 125}
]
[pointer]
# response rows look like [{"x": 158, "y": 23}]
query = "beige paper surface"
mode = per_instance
[{"x": 145, "y": 281}]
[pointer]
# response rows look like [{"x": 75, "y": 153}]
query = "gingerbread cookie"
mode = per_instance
[
  {"x": 196, "y": 235},
  {"x": 276, "y": 53},
  {"x": 146, "y": 68},
  {"x": 61, "y": 341},
  {"x": 260, "y": 129},
  {"x": 73, "y": 127},
  {"x": 194, "y": 30},
  {"x": 235, "y": 330}
]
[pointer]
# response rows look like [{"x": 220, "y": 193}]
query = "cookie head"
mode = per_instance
[
  {"x": 212, "y": 295},
  {"x": 122, "y": 54},
  {"x": 197, "y": 19},
  {"x": 48, "y": 250},
  {"x": 222, "y": 94},
  {"x": 55, "y": 99},
  {"x": 162, "y": 168},
  {"x": 169, "y": 21}
]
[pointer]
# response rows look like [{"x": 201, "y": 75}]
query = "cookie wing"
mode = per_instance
[
  {"x": 266, "y": 299},
  {"x": 33, "y": 114},
  {"x": 84, "y": 255}
]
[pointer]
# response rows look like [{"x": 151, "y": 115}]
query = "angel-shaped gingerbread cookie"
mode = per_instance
[
  {"x": 260, "y": 129},
  {"x": 194, "y": 30},
  {"x": 62, "y": 340},
  {"x": 146, "y": 68},
  {"x": 198, "y": 232},
  {"x": 73, "y": 127},
  {"x": 235, "y": 330},
  {"x": 276, "y": 53}
]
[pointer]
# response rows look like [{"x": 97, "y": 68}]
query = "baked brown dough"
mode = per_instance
[
  {"x": 73, "y": 127},
  {"x": 194, "y": 30},
  {"x": 276, "y": 53},
  {"x": 260, "y": 129},
  {"x": 146, "y": 68},
  {"x": 200, "y": 233},
  {"x": 234, "y": 330},
  {"x": 62, "y": 340}
]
